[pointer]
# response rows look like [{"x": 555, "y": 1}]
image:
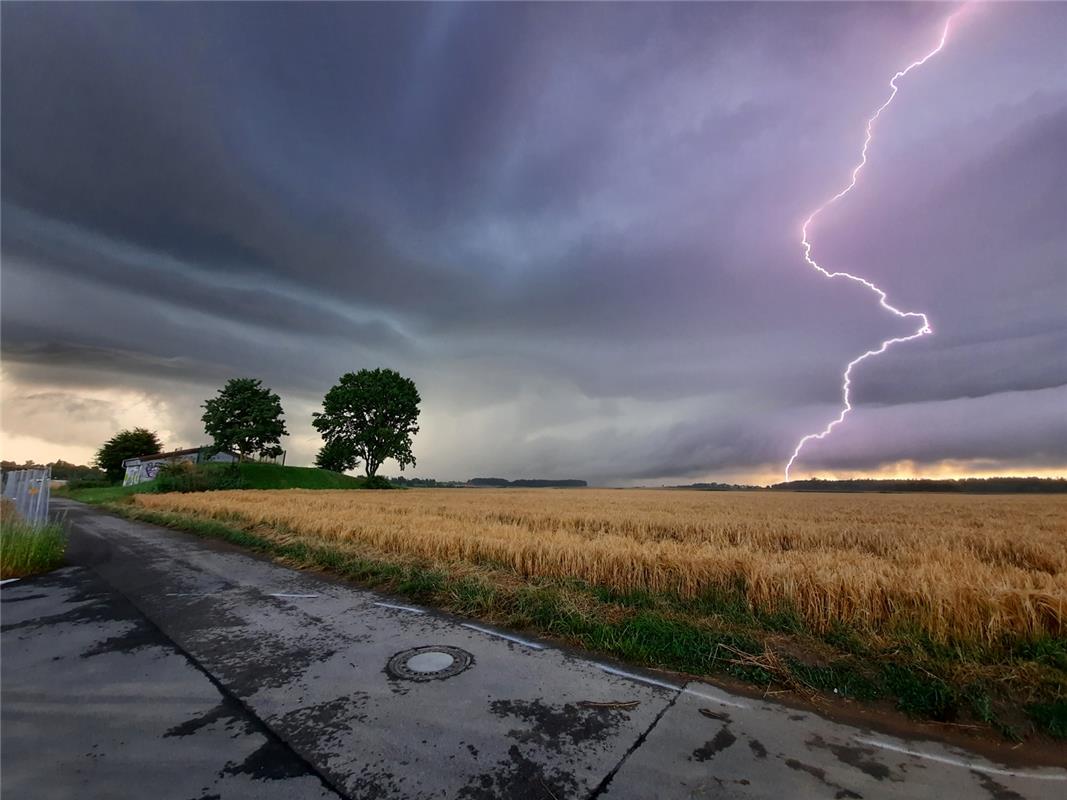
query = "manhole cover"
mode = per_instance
[{"x": 429, "y": 663}]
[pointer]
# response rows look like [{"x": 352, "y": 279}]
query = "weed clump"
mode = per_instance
[{"x": 25, "y": 549}]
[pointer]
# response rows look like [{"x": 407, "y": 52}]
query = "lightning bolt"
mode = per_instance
[{"x": 924, "y": 328}]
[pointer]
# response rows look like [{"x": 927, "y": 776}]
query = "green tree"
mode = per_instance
[
  {"x": 123, "y": 445},
  {"x": 65, "y": 471},
  {"x": 336, "y": 456},
  {"x": 373, "y": 413},
  {"x": 246, "y": 418}
]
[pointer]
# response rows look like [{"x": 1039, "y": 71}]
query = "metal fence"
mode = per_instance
[{"x": 29, "y": 490}]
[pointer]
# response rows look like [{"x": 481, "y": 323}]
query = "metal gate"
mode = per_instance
[{"x": 29, "y": 490}]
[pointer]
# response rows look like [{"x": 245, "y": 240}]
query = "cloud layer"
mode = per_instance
[{"x": 576, "y": 227}]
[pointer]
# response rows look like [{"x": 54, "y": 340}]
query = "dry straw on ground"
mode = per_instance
[{"x": 960, "y": 568}]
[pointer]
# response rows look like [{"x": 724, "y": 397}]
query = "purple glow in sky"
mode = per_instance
[
  {"x": 924, "y": 327},
  {"x": 573, "y": 225}
]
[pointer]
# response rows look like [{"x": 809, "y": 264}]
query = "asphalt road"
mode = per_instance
[
  {"x": 98, "y": 703},
  {"x": 163, "y": 665}
]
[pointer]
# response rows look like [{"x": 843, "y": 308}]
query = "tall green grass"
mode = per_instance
[{"x": 25, "y": 550}]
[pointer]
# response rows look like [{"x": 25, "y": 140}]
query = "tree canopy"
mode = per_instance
[
  {"x": 245, "y": 418},
  {"x": 369, "y": 416},
  {"x": 123, "y": 445},
  {"x": 336, "y": 456}
]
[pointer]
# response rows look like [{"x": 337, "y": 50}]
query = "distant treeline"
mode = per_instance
[
  {"x": 719, "y": 487},
  {"x": 960, "y": 485},
  {"x": 492, "y": 483},
  {"x": 425, "y": 483},
  {"x": 529, "y": 483},
  {"x": 61, "y": 470}
]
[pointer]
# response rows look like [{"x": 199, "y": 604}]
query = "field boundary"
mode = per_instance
[{"x": 584, "y": 616}]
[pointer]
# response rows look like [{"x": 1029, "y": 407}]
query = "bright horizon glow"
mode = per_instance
[
  {"x": 949, "y": 469},
  {"x": 924, "y": 328}
]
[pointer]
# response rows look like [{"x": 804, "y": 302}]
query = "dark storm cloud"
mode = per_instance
[
  {"x": 56, "y": 251},
  {"x": 580, "y": 221}
]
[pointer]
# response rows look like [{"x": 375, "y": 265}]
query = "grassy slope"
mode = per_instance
[
  {"x": 271, "y": 476},
  {"x": 253, "y": 476}
]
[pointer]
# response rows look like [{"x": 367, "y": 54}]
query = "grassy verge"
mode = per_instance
[
  {"x": 1017, "y": 694},
  {"x": 98, "y": 495},
  {"x": 25, "y": 550}
]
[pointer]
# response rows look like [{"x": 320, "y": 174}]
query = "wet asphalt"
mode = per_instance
[
  {"x": 162, "y": 665},
  {"x": 97, "y": 702}
]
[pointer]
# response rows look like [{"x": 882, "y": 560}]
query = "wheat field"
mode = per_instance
[{"x": 961, "y": 568}]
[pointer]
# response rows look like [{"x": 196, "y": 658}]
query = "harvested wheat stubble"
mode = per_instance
[{"x": 981, "y": 569}]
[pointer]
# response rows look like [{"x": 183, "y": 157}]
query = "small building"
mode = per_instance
[{"x": 145, "y": 468}]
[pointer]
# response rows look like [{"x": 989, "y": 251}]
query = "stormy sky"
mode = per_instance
[{"x": 576, "y": 227}]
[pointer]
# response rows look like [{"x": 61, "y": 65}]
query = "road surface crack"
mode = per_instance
[{"x": 606, "y": 782}]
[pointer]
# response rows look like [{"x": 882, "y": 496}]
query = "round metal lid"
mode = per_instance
[{"x": 433, "y": 662}]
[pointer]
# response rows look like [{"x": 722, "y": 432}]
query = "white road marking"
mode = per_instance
[
  {"x": 401, "y": 608},
  {"x": 632, "y": 676},
  {"x": 714, "y": 698},
  {"x": 282, "y": 594},
  {"x": 516, "y": 639},
  {"x": 959, "y": 762},
  {"x": 8, "y": 580}
]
